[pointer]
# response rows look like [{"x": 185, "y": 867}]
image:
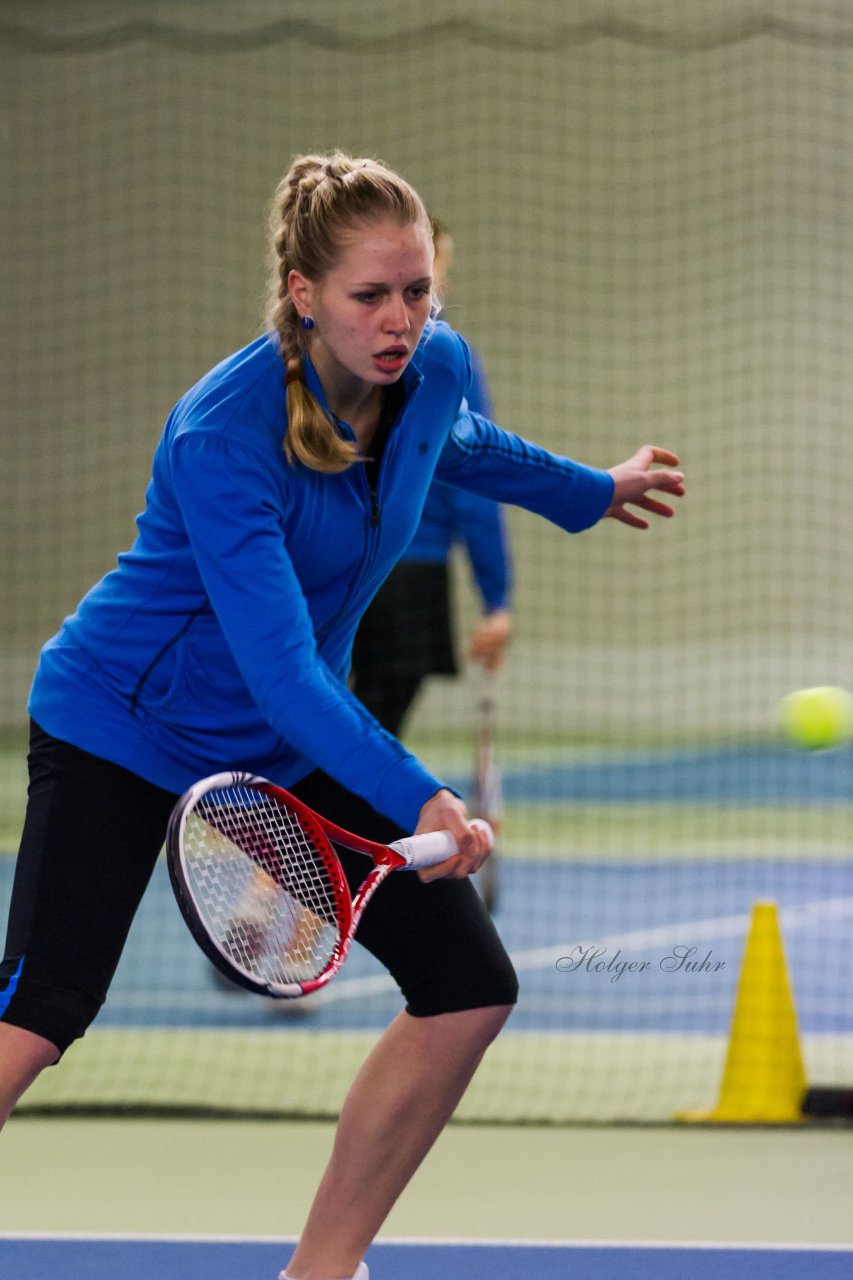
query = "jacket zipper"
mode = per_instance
[{"x": 374, "y": 529}]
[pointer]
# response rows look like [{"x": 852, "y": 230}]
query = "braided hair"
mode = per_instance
[{"x": 317, "y": 202}]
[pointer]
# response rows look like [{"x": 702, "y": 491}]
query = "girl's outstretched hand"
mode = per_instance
[{"x": 634, "y": 480}]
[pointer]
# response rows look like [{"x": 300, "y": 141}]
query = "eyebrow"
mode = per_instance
[{"x": 379, "y": 285}]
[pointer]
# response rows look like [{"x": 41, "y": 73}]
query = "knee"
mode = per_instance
[
  {"x": 23, "y": 1056},
  {"x": 485, "y": 1024},
  {"x": 494, "y": 1020}
]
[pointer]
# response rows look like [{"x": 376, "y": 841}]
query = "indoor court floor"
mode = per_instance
[{"x": 202, "y": 1200}]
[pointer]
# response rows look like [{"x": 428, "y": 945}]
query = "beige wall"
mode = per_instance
[{"x": 652, "y": 244}]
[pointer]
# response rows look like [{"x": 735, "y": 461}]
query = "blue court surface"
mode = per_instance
[
  {"x": 759, "y": 775},
  {"x": 549, "y": 914},
  {"x": 107, "y": 1258},
  {"x": 637, "y": 910}
]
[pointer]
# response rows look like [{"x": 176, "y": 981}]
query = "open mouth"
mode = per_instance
[{"x": 391, "y": 356}]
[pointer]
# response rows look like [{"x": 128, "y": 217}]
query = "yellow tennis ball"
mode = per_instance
[{"x": 815, "y": 719}]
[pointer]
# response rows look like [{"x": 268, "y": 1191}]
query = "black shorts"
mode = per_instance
[{"x": 92, "y": 835}]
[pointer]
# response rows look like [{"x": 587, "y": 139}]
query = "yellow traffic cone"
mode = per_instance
[{"x": 763, "y": 1080}]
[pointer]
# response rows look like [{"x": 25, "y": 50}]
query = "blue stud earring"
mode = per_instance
[{"x": 307, "y": 322}]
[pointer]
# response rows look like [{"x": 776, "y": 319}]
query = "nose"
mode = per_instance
[{"x": 397, "y": 316}]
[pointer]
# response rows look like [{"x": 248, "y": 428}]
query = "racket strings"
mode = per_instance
[{"x": 263, "y": 888}]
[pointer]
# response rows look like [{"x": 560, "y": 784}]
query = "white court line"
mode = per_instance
[
  {"x": 719, "y": 927},
  {"x": 420, "y": 1242},
  {"x": 790, "y": 918}
]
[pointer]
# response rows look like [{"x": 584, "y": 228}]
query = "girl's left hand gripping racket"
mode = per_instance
[{"x": 262, "y": 889}]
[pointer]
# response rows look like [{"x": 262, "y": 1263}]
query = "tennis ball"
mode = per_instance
[{"x": 815, "y": 719}]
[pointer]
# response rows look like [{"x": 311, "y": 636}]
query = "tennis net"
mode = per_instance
[{"x": 651, "y": 220}]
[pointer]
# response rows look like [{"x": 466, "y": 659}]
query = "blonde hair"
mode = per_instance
[{"x": 318, "y": 201}]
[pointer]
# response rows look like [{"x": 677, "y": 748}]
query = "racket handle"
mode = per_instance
[{"x": 434, "y": 846}]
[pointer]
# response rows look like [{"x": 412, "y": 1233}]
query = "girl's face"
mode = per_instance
[{"x": 370, "y": 310}]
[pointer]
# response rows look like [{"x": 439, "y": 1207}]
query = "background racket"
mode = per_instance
[
  {"x": 487, "y": 785},
  {"x": 262, "y": 889}
]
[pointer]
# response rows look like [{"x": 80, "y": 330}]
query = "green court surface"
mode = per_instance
[
  {"x": 543, "y": 828},
  {"x": 223, "y": 1178}
]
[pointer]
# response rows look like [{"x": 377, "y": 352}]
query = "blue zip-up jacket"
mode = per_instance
[
  {"x": 222, "y": 638},
  {"x": 453, "y": 515}
]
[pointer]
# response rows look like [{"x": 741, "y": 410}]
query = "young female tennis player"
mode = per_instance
[{"x": 286, "y": 484}]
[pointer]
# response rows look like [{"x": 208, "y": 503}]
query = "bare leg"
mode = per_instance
[
  {"x": 400, "y": 1101},
  {"x": 23, "y": 1055}
]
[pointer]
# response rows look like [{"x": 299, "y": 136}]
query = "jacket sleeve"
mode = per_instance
[
  {"x": 488, "y": 460},
  {"x": 233, "y": 510},
  {"x": 479, "y": 395}
]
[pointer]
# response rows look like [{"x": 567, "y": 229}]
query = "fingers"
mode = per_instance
[
  {"x": 656, "y": 508},
  {"x": 662, "y": 478},
  {"x": 456, "y": 868},
  {"x": 624, "y": 516},
  {"x": 634, "y": 481},
  {"x": 453, "y": 869},
  {"x": 444, "y": 811},
  {"x": 651, "y": 453},
  {"x": 474, "y": 847},
  {"x": 670, "y": 481}
]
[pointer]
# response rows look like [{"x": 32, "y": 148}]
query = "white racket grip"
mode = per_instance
[{"x": 434, "y": 846}]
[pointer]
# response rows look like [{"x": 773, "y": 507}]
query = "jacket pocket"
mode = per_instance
[{"x": 162, "y": 682}]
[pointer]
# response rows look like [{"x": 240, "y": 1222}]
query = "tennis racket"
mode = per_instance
[
  {"x": 487, "y": 785},
  {"x": 235, "y": 838}
]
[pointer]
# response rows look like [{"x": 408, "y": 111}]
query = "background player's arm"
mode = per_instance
[{"x": 481, "y": 527}]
